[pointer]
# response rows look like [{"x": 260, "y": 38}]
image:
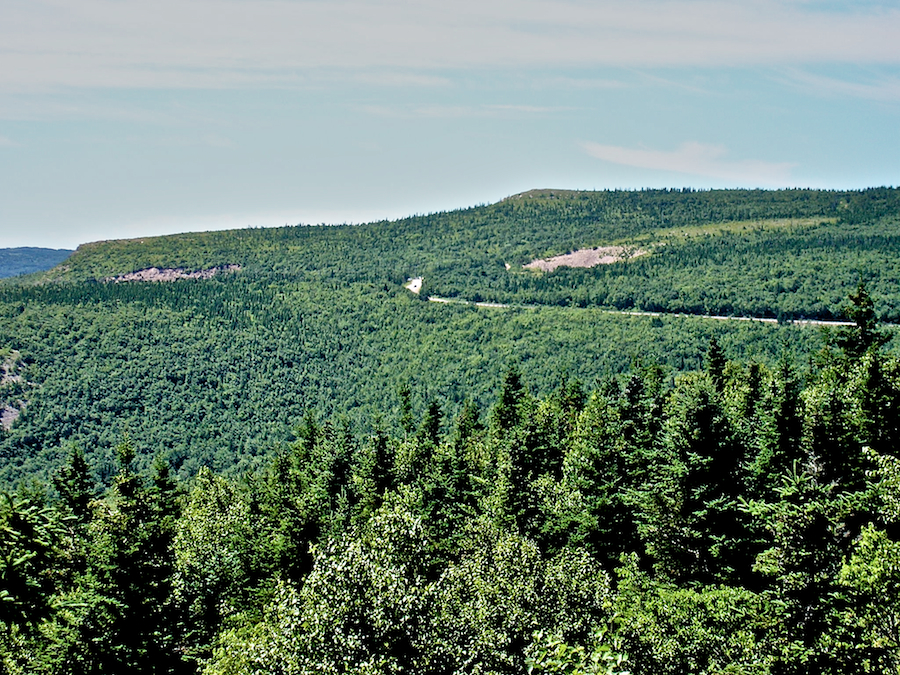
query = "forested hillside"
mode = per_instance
[
  {"x": 216, "y": 372},
  {"x": 219, "y": 373},
  {"x": 788, "y": 253},
  {"x": 281, "y": 460},
  {"x": 737, "y": 519}
]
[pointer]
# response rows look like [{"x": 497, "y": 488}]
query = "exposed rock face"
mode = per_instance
[
  {"x": 587, "y": 257},
  {"x": 9, "y": 371},
  {"x": 8, "y": 415},
  {"x": 10, "y": 375},
  {"x": 171, "y": 274}
]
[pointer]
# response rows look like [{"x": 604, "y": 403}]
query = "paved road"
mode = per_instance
[{"x": 798, "y": 322}]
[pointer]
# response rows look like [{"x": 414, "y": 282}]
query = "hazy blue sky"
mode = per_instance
[{"x": 121, "y": 118}]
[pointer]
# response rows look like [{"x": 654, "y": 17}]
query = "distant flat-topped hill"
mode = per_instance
[
  {"x": 762, "y": 253},
  {"x": 26, "y": 260}
]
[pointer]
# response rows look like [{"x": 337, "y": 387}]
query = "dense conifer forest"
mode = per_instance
[{"x": 299, "y": 466}]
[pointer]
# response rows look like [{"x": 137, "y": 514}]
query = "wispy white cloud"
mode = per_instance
[
  {"x": 77, "y": 105},
  {"x": 461, "y": 111},
  {"x": 252, "y": 43},
  {"x": 697, "y": 159},
  {"x": 587, "y": 83},
  {"x": 529, "y": 109},
  {"x": 429, "y": 111},
  {"x": 873, "y": 88},
  {"x": 7, "y": 142},
  {"x": 400, "y": 79},
  {"x": 447, "y": 111}
]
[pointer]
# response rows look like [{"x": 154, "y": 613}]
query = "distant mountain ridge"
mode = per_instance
[{"x": 29, "y": 259}]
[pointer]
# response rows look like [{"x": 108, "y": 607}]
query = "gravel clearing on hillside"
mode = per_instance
[
  {"x": 171, "y": 274},
  {"x": 587, "y": 257}
]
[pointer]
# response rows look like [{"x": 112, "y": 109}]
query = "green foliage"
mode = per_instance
[
  {"x": 552, "y": 655},
  {"x": 75, "y": 486},
  {"x": 30, "y": 536},
  {"x": 130, "y": 575},
  {"x": 489, "y": 603},
  {"x": 705, "y": 629},
  {"x": 864, "y": 334},
  {"x": 647, "y": 527},
  {"x": 360, "y": 610},
  {"x": 810, "y": 527},
  {"x": 693, "y": 515},
  {"x": 211, "y": 550},
  {"x": 218, "y": 373},
  {"x": 266, "y": 646},
  {"x": 688, "y": 512},
  {"x": 872, "y": 614},
  {"x": 365, "y": 602}
]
